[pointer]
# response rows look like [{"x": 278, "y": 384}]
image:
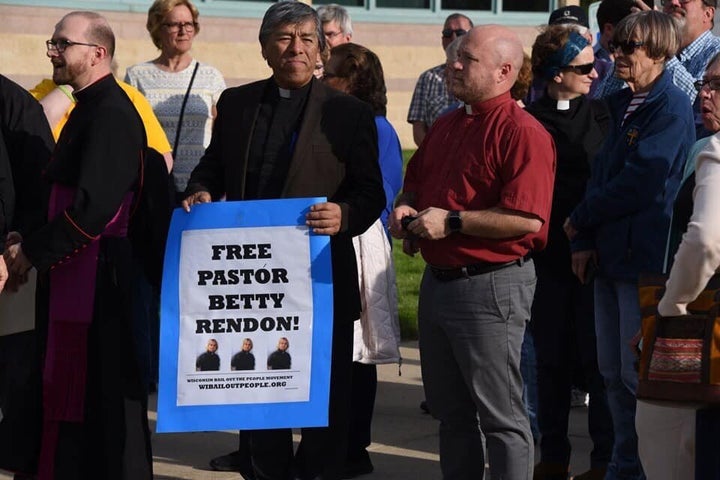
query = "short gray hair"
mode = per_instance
[
  {"x": 658, "y": 31},
  {"x": 289, "y": 13},
  {"x": 335, "y": 13}
]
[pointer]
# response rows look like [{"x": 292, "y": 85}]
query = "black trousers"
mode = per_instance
[
  {"x": 322, "y": 451},
  {"x": 364, "y": 388},
  {"x": 563, "y": 327}
]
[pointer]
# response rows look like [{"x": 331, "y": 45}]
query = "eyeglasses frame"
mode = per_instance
[
  {"x": 578, "y": 69},
  {"x": 61, "y": 45},
  {"x": 175, "y": 27}
]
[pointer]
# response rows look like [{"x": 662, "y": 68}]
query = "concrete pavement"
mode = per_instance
[{"x": 405, "y": 443}]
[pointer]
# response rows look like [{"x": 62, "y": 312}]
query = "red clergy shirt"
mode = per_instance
[{"x": 496, "y": 156}]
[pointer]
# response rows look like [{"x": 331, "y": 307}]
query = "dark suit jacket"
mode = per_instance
[
  {"x": 26, "y": 143},
  {"x": 335, "y": 155}
]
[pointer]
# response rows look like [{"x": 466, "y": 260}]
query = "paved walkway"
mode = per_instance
[{"x": 405, "y": 440}]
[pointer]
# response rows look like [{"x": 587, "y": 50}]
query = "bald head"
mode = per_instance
[
  {"x": 489, "y": 60},
  {"x": 504, "y": 44}
]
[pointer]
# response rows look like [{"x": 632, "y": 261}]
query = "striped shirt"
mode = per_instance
[
  {"x": 636, "y": 100},
  {"x": 166, "y": 91}
]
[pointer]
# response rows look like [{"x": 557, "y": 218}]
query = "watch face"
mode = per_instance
[{"x": 454, "y": 221}]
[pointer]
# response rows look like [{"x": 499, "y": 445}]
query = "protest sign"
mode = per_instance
[{"x": 246, "y": 321}]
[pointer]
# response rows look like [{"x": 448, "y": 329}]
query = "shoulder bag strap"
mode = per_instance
[{"x": 182, "y": 110}]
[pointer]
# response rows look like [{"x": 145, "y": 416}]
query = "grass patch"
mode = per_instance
[{"x": 408, "y": 272}]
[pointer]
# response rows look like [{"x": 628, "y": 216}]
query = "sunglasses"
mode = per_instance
[
  {"x": 448, "y": 32},
  {"x": 627, "y": 48},
  {"x": 712, "y": 83},
  {"x": 665, "y": 3},
  {"x": 583, "y": 69}
]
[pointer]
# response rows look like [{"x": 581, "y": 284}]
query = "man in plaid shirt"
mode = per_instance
[{"x": 431, "y": 95}]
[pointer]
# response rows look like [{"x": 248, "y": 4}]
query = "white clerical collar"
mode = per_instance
[
  {"x": 563, "y": 105},
  {"x": 468, "y": 109},
  {"x": 284, "y": 92}
]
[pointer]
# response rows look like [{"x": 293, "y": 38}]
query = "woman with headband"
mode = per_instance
[
  {"x": 562, "y": 316},
  {"x": 623, "y": 221}
]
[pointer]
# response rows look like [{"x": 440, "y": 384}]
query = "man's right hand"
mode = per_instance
[
  {"x": 395, "y": 220},
  {"x": 197, "y": 197}
]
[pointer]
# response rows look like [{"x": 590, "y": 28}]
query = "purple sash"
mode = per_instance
[{"x": 71, "y": 304}]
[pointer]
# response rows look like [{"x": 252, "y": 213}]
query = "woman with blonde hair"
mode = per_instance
[{"x": 182, "y": 91}]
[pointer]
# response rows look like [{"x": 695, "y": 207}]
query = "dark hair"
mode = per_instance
[
  {"x": 289, "y": 13},
  {"x": 657, "y": 30},
  {"x": 550, "y": 40},
  {"x": 363, "y": 71},
  {"x": 612, "y": 11},
  {"x": 521, "y": 87},
  {"x": 457, "y": 16}
]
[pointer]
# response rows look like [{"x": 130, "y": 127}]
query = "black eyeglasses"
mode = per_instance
[
  {"x": 448, "y": 32},
  {"x": 59, "y": 46},
  {"x": 627, "y": 48},
  {"x": 712, "y": 83},
  {"x": 583, "y": 69},
  {"x": 175, "y": 27}
]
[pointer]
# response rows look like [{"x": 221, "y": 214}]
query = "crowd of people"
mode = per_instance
[{"x": 543, "y": 187}]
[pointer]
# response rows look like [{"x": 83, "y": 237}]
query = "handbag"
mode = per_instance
[{"x": 680, "y": 356}]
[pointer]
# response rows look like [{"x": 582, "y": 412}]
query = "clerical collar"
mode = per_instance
[
  {"x": 481, "y": 108},
  {"x": 293, "y": 94},
  {"x": 563, "y": 105}
]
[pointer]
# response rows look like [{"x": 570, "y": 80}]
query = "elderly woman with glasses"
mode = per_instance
[
  {"x": 357, "y": 71},
  {"x": 562, "y": 315},
  {"x": 623, "y": 221},
  {"x": 677, "y": 441},
  {"x": 182, "y": 91}
]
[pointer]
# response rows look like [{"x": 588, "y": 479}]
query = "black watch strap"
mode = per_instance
[{"x": 454, "y": 221}]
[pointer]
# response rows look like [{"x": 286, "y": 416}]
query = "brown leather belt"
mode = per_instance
[{"x": 448, "y": 274}]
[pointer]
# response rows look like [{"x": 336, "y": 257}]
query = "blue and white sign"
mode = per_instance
[{"x": 246, "y": 322}]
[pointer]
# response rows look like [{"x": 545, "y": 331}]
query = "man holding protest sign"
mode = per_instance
[{"x": 299, "y": 138}]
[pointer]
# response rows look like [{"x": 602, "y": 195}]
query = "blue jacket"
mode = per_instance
[{"x": 626, "y": 211}]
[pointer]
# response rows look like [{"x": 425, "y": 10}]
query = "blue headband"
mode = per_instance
[{"x": 562, "y": 57}]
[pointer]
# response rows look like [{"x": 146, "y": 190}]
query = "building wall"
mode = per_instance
[{"x": 231, "y": 45}]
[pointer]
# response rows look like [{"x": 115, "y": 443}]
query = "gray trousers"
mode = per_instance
[{"x": 471, "y": 332}]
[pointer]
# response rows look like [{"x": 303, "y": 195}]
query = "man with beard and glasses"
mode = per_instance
[{"x": 94, "y": 410}]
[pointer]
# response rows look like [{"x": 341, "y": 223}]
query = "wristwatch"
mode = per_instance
[{"x": 454, "y": 221}]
